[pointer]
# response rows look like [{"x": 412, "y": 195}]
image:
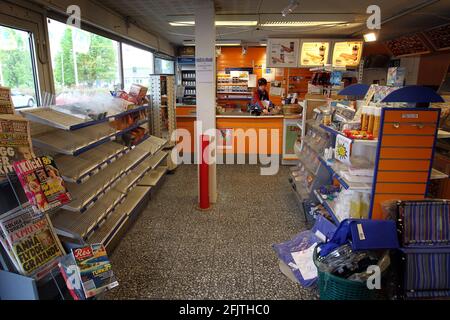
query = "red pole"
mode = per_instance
[{"x": 204, "y": 174}]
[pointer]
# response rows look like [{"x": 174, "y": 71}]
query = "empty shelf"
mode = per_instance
[
  {"x": 86, "y": 194},
  {"x": 74, "y": 142},
  {"x": 156, "y": 159},
  {"x": 127, "y": 182},
  {"x": 78, "y": 169},
  {"x": 152, "y": 144},
  {"x": 115, "y": 220},
  {"x": 153, "y": 177},
  {"x": 81, "y": 224},
  {"x": 53, "y": 118}
]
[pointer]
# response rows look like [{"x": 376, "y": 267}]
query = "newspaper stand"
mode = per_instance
[{"x": 14, "y": 286}]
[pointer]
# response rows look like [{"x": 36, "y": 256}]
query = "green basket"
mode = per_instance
[{"x": 332, "y": 287}]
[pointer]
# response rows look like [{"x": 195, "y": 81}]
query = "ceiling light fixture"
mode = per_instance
[
  {"x": 299, "y": 23},
  {"x": 370, "y": 37},
  {"x": 230, "y": 23},
  {"x": 290, "y": 8},
  {"x": 219, "y": 43}
]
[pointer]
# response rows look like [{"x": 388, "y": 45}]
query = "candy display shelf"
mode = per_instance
[{"x": 334, "y": 132}]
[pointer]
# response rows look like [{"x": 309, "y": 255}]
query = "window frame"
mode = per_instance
[
  {"x": 38, "y": 74},
  {"x": 121, "y": 40}
]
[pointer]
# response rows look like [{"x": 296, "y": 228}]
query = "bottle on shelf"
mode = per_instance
[
  {"x": 364, "y": 118},
  {"x": 371, "y": 115},
  {"x": 377, "y": 121}
]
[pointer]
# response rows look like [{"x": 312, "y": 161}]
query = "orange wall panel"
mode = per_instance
[
  {"x": 393, "y": 188},
  {"x": 405, "y": 153},
  {"x": 404, "y": 165},
  {"x": 408, "y": 141},
  {"x": 401, "y": 176}
]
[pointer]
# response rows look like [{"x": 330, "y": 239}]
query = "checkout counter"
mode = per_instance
[{"x": 281, "y": 141}]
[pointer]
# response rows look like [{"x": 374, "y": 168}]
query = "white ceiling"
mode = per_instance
[{"x": 402, "y": 16}]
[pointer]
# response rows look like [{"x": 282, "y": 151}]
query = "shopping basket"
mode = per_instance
[{"x": 332, "y": 287}]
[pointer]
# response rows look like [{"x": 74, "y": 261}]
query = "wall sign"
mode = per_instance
[
  {"x": 204, "y": 70},
  {"x": 282, "y": 53},
  {"x": 314, "y": 54},
  {"x": 347, "y": 53}
]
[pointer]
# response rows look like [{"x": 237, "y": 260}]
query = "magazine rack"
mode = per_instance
[{"x": 14, "y": 286}]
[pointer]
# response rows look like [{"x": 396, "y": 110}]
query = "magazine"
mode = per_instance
[
  {"x": 15, "y": 142},
  {"x": 6, "y": 104},
  {"x": 29, "y": 239},
  {"x": 42, "y": 183},
  {"x": 95, "y": 269}
]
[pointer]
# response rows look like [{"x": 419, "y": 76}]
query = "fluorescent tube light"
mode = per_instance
[
  {"x": 218, "y": 23},
  {"x": 370, "y": 37},
  {"x": 237, "y": 23},
  {"x": 219, "y": 43},
  {"x": 182, "y": 23},
  {"x": 299, "y": 23}
]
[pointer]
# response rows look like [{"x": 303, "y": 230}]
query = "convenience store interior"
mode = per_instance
[{"x": 322, "y": 116}]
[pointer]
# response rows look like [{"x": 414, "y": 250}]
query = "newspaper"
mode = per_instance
[
  {"x": 6, "y": 104},
  {"x": 30, "y": 241},
  {"x": 15, "y": 142}
]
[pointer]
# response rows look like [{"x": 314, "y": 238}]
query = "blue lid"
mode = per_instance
[
  {"x": 413, "y": 94},
  {"x": 355, "y": 90}
]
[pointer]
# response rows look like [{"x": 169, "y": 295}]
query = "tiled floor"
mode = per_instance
[{"x": 176, "y": 252}]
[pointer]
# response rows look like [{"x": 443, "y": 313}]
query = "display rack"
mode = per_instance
[
  {"x": 403, "y": 156},
  {"x": 102, "y": 175}
]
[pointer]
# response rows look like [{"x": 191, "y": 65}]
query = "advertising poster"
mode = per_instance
[
  {"x": 282, "y": 53},
  {"x": 347, "y": 54},
  {"x": 343, "y": 149},
  {"x": 314, "y": 54}
]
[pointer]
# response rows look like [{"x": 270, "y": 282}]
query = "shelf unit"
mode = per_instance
[
  {"x": 189, "y": 76},
  {"x": 102, "y": 175}
]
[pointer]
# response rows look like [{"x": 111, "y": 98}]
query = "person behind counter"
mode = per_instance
[{"x": 261, "y": 96}]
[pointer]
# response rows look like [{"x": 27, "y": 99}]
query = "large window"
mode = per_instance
[
  {"x": 164, "y": 66},
  {"x": 137, "y": 65},
  {"x": 17, "y": 67},
  {"x": 84, "y": 63}
]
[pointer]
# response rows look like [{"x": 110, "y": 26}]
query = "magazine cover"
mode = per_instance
[
  {"x": 15, "y": 142},
  {"x": 31, "y": 242},
  {"x": 6, "y": 104},
  {"x": 42, "y": 183},
  {"x": 95, "y": 269}
]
